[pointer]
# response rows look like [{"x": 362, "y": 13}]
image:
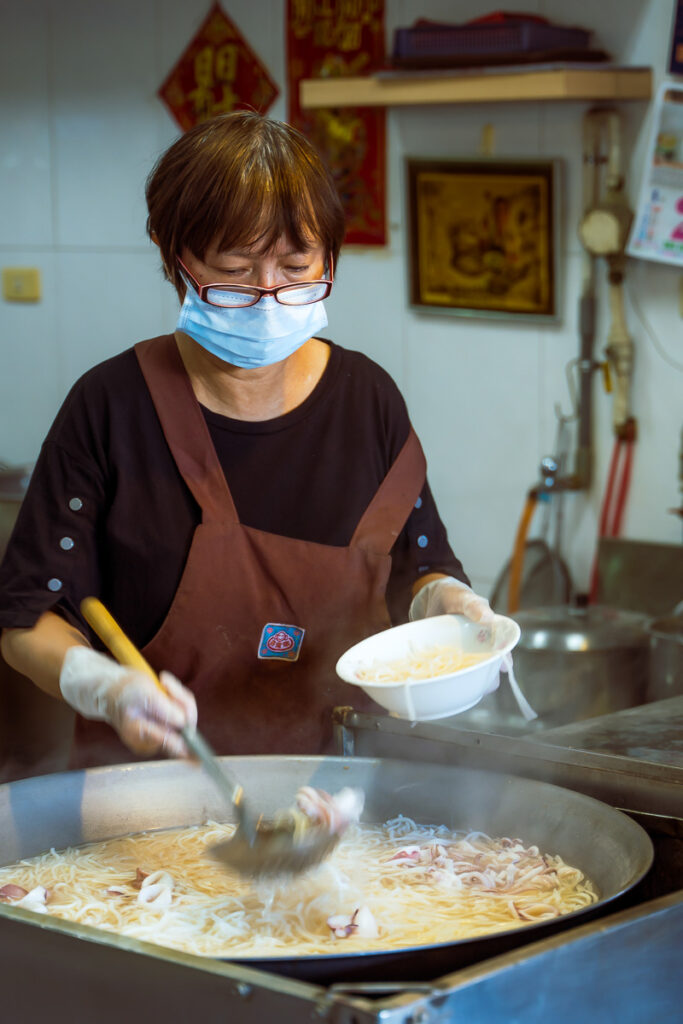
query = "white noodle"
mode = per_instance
[
  {"x": 460, "y": 886},
  {"x": 429, "y": 663}
]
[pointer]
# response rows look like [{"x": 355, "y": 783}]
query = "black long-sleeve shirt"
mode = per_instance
[{"x": 107, "y": 512}]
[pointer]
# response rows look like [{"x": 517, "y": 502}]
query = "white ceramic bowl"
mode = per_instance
[{"x": 422, "y": 700}]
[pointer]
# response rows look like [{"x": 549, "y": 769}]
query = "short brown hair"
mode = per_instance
[{"x": 241, "y": 179}]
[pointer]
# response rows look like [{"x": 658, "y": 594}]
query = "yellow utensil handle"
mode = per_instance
[
  {"x": 113, "y": 637},
  {"x": 126, "y": 653}
]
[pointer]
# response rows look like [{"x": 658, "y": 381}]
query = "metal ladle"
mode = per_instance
[{"x": 257, "y": 848}]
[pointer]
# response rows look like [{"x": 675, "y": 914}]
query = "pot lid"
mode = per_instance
[{"x": 595, "y": 628}]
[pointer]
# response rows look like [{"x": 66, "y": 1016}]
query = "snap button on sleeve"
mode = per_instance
[
  {"x": 418, "y": 503},
  {"x": 54, "y": 584},
  {"x": 75, "y": 504},
  {"x": 422, "y": 541},
  {"x": 66, "y": 543}
]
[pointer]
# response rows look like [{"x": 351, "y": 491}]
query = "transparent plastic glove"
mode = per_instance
[
  {"x": 449, "y": 596},
  {"x": 146, "y": 719},
  {"x": 522, "y": 703}
]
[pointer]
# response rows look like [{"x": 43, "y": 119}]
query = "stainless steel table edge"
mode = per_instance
[
  {"x": 630, "y": 785},
  {"x": 526, "y": 985}
]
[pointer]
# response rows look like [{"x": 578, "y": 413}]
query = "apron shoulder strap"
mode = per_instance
[
  {"x": 185, "y": 428},
  {"x": 386, "y": 515}
]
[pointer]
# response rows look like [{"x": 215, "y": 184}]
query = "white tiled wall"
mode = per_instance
[{"x": 80, "y": 127}]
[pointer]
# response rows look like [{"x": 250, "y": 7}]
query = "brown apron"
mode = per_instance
[{"x": 247, "y": 599}]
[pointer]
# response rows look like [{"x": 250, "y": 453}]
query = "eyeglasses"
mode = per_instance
[{"x": 236, "y": 295}]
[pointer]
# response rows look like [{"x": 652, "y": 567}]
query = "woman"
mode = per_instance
[{"x": 247, "y": 498}]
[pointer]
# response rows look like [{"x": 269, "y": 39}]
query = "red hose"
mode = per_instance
[
  {"x": 603, "y": 529},
  {"x": 623, "y": 488}
]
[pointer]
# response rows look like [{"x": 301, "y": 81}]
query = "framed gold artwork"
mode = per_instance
[{"x": 484, "y": 237}]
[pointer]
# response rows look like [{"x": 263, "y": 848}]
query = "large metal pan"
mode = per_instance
[{"x": 77, "y": 807}]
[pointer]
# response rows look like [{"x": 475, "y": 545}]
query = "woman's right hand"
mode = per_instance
[
  {"x": 147, "y": 720},
  {"x": 445, "y": 595}
]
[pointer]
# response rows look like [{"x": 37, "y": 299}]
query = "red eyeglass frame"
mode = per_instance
[{"x": 202, "y": 289}]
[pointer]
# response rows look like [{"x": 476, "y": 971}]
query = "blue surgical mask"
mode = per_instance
[{"x": 250, "y": 336}]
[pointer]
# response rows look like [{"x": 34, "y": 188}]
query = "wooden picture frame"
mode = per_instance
[{"x": 484, "y": 237}]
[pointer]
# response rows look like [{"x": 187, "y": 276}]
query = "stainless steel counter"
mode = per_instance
[
  {"x": 651, "y": 733},
  {"x": 631, "y": 759}
]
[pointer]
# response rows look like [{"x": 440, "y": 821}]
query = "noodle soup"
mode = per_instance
[
  {"x": 427, "y": 664},
  {"x": 430, "y": 668},
  {"x": 387, "y": 886}
]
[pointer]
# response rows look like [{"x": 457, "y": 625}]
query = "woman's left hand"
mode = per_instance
[{"x": 447, "y": 595}]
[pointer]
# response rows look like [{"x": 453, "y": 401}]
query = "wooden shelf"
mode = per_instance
[{"x": 412, "y": 88}]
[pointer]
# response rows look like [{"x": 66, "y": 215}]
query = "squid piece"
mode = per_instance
[
  {"x": 320, "y": 811},
  {"x": 12, "y": 892},
  {"x": 156, "y": 890},
  {"x": 537, "y": 912},
  {"x": 34, "y": 900},
  {"x": 361, "y": 924},
  {"x": 333, "y": 812},
  {"x": 409, "y": 853}
]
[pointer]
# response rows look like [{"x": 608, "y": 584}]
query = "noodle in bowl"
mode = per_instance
[{"x": 431, "y": 668}]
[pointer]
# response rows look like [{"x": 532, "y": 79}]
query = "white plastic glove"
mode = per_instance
[
  {"x": 449, "y": 596},
  {"x": 145, "y": 718}
]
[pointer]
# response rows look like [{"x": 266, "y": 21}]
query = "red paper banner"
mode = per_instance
[
  {"x": 343, "y": 37},
  {"x": 218, "y": 72}
]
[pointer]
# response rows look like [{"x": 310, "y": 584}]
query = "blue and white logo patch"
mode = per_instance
[{"x": 281, "y": 641}]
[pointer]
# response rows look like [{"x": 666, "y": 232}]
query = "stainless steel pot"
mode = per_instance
[
  {"x": 666, "y": 658},
  {"x": 576, "y": 663},
  {"x": 77, "y": 807}
]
